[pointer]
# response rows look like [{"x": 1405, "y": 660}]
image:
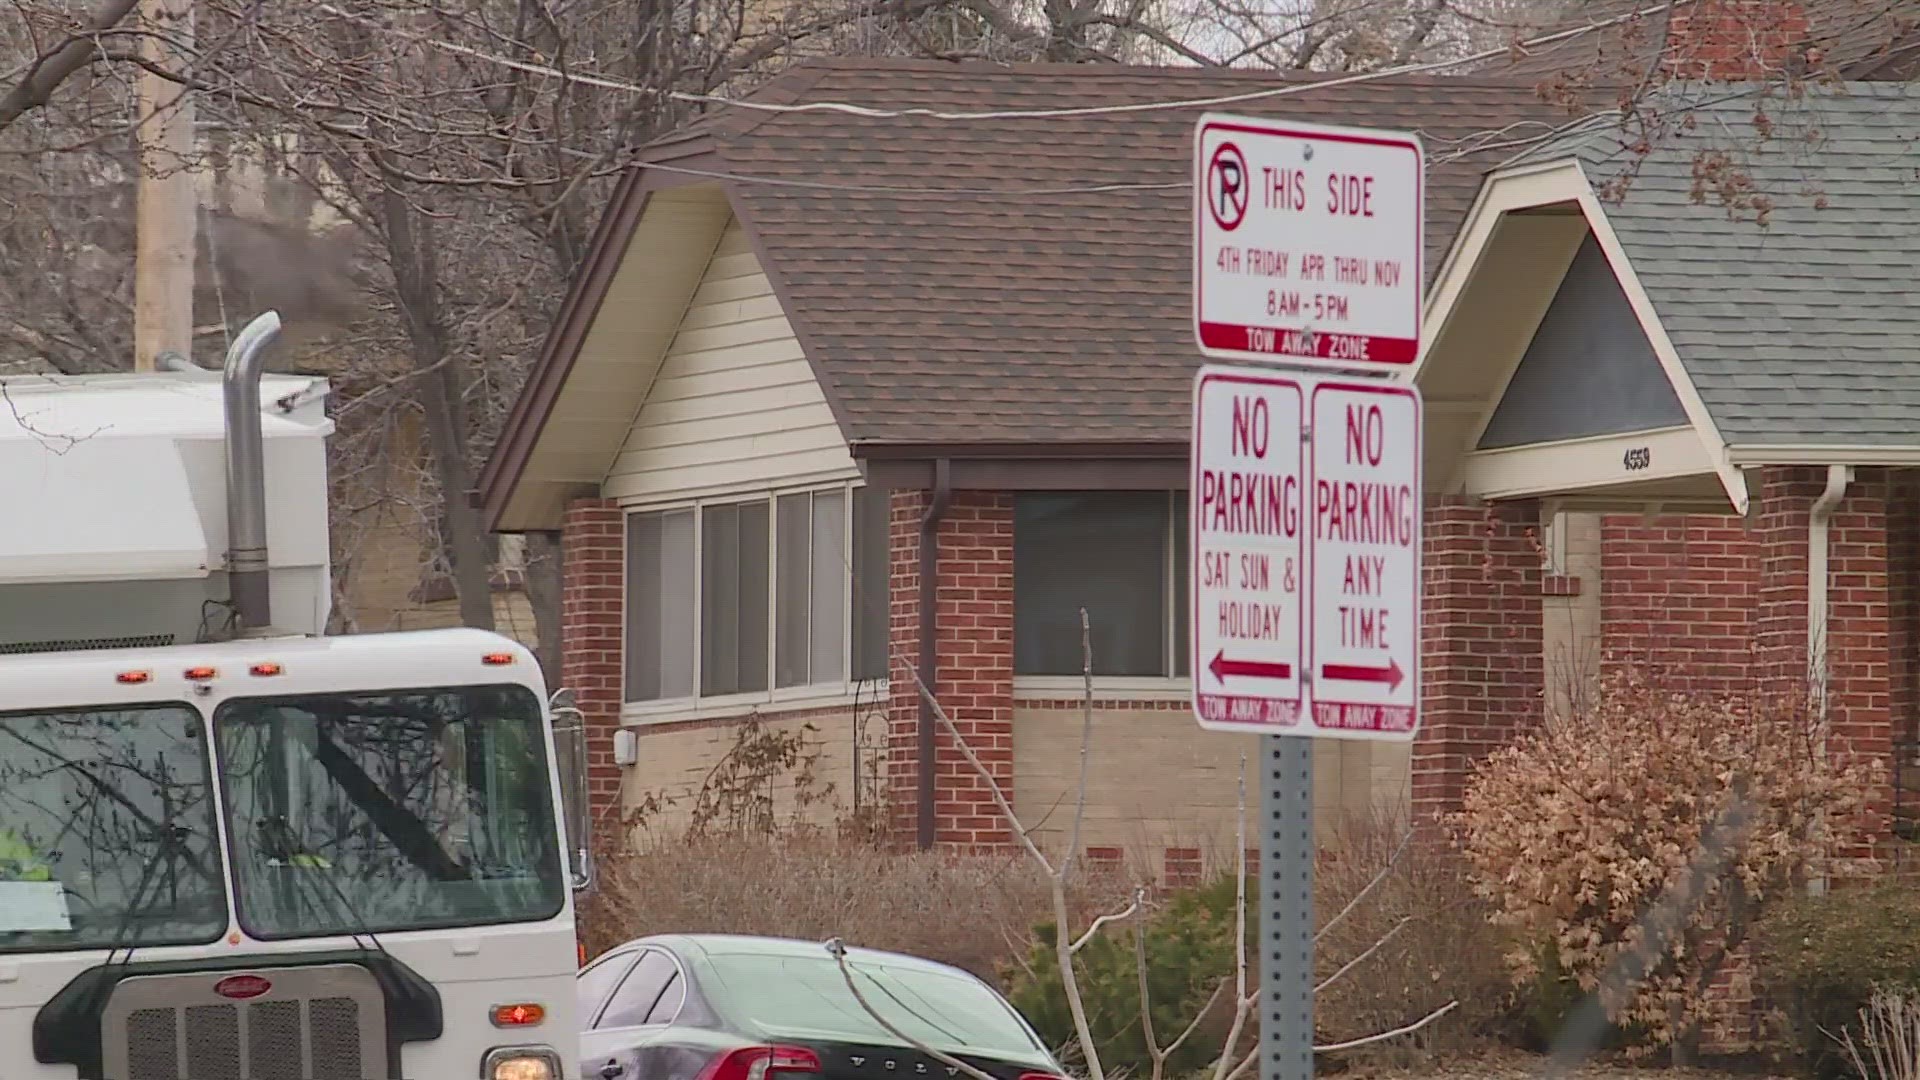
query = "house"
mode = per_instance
[
  {"x": 1703, "y": 359},
  {"x": 764, "y": 393},
  {"x": 838, "y": 399}
]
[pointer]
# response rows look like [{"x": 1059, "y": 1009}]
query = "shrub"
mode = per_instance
[
  {"x": 1430, "y": 942},
  {"x": 1189, "y": 949},
  {"x": 1577, "y": 831},
  {"x": 1821, "y": 958},
  {"x": 971, "y": 911},
  {"x": 1443, "y": 945},
  {"x": 736, "y": 864},
  {"x": 1888, "y": 1046}
]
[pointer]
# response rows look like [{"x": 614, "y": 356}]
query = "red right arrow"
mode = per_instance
[
  {"x": 1256, "y": 669},
  {"x": 1360, "y": 673}
]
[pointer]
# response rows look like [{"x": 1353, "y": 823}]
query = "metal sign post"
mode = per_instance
[
  {"x": 1306, "y": 487},
  {"x": 1286, "y": 907}
]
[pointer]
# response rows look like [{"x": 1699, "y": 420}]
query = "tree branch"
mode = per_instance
[
  {"x": 51, "y": 69},
  {"x": 1358, "y": 960},
  {"x": 838, "y": 950},
  {"x": 1243, "y": 1002},
  {"x": 1112, "y": 916},
  {"x": 1392, "y": 859}
]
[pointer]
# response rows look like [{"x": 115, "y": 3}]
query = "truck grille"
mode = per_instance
[{"x": 312, "y": 1021}]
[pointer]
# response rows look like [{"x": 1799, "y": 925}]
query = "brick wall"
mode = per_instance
[
  {"x": 1719, "y": 605},
  {"x": 1678, "y": 596},
  {"x": 1903, "y": 615},
  {"x": 1482, "y": 676},
  {"x": 1157, "y": 783},
  {"x": 973, "y": 676},
  {"x": 1728, "y": 40},
  {"x": 592, "y": 546}
]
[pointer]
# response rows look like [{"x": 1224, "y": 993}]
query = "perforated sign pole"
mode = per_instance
[{"x": 1286, "y": 907}]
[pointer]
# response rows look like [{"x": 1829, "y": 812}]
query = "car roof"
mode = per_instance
[{"x": 717, "y": 945}]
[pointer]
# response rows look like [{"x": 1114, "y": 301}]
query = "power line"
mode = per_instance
[
  {"x": 881, "y": 189},
  {"x": 1490, "y": 141},
  {"x": 869, "y": 112}
]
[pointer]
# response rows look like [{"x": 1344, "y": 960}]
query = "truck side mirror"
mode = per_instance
[{"x": 570, "y": 745}]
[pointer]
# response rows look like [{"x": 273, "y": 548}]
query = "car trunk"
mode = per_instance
[{"x": 882, "y": 1061}]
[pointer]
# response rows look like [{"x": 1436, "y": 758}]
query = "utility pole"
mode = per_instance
[{"x": 166, "y": 213}]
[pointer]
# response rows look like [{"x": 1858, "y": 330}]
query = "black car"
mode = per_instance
[{"x": 720, "y": 1007}]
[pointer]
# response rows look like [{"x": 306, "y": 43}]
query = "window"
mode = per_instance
[
  {"x": 668, "y": 1007},
  {"x": 1120, "y": 555},
  {"x": 660, "y": 600},
  {"x": 733, "y": 598},
  {"x": 387, "y": 811},
  {"x": 757, "y": 596},
  {"x": 813, "y": 596},
  {"x": 872, "y": 604},
  {"x": 948, "y": 1009},
  {"x": 635, "y": 999},
  {"x": 592, "y": 985},
  {"x": 107, "y": 832}
]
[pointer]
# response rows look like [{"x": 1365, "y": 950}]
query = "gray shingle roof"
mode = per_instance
[{"x": 1801, "y": 329}]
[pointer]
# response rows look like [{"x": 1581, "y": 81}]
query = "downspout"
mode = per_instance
[
  {"x": 1819, "y": 525},
  {"x": 929, "y": 654},
  {"x": 247, "y": 474}
]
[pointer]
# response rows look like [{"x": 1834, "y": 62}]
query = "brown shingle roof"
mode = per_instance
[
  {"x": 1013, "y": 311},
  {"x": 1047, "y": 316}
]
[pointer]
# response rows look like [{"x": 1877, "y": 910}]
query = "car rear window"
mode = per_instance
[{"x": 799, "y": 995}]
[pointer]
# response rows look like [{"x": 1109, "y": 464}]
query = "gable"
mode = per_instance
[
  {"x": 1589, "y": 369},
  {"x": 735, "y": 405}
]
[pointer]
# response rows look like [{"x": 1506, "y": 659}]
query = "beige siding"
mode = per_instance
[
  {"x": 1156, "y": 780},
  {"x": 677, "y": 760},
  {"x": 1571, "y": 624},
  {"x": 735, "y": 405}
]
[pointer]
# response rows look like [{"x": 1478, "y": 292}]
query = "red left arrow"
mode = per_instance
[
  {"x": 1255, "y": 669},
  {"x": 1361, "y": 673}
]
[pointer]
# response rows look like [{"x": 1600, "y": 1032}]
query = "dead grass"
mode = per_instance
[
  {"x": 1514, "y": 1065},
  {"x": 976, "y": 912}
]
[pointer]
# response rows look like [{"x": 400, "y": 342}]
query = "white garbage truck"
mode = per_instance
[{"x": 232, "y": 847}]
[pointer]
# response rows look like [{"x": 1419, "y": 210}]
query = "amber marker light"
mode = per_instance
[{"x": 525, "y": 1014}]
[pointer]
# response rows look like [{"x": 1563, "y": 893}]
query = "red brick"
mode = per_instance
[
  {"x": 973, "y": 678},
  {"x": 592, "y": 609},
  {"x": 1482, "y": 676}
]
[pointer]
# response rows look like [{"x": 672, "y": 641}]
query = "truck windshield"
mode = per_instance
[
  {"x": 376, "y": 812},
  {"x": 107, "y": 830}
]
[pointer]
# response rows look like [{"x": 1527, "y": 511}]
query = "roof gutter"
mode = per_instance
[
  {"x": 1806, "y": 454},
  {"x": 929, "y": 653}
]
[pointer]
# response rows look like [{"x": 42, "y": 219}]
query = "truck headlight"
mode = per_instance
[{"x": 521, "y": 1063}]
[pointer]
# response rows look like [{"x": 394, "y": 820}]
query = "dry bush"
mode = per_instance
[
  {"x": 736, "y": 864},
  {"x": 973, "y": 911},
  {"x": 1435, "y": 941},
  {"x": 1704, "y": 809},
  {"x": 1889, "y": 1044}
]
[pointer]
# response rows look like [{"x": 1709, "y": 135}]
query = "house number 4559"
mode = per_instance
[{"x": 1638, "y": 458}]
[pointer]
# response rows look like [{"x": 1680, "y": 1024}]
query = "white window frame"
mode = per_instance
[
  {"x": 1129, "y": 687},
  {"x": 844, "y": 691}
]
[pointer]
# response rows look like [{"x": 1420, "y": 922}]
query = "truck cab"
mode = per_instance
[{"x": 232, "y": 846}]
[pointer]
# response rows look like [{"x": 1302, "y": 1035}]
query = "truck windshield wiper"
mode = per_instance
[
  {"x": 292, "y": 855},
  {"x": 171, "y": 836}
]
